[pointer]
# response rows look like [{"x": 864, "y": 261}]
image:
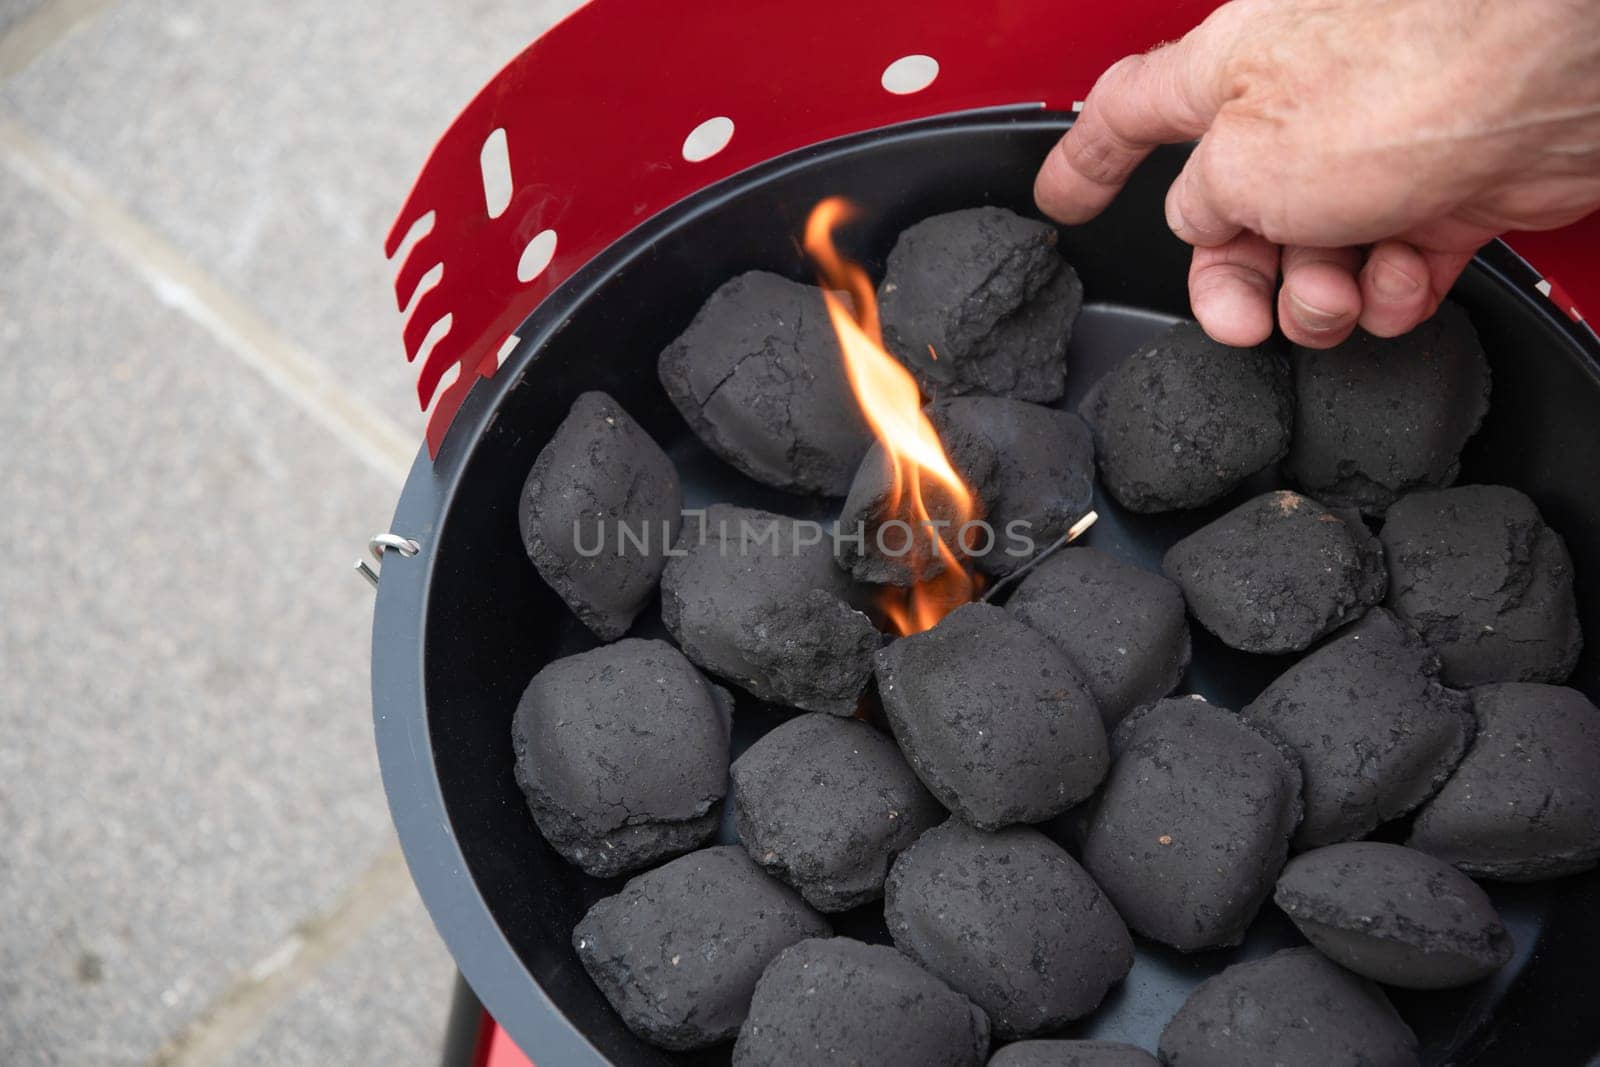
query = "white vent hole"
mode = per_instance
[
  {"x": 707, "y": 139},
  {"x": 508, "y": 346},
  {"x": 494, "y": 160},
  {"x": 910, "y": 74},
  {"x": 419, "y": 229},
  {"x": 537, "y": 256}
]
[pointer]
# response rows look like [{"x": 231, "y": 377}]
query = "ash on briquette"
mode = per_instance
[
  {"x": 622, "y": 754},
  {"x": 1189, "y": 783},
  {"x": 1183, "y": 420},
  {"x": 1010, "y": 920},
  {"x": 1395, "y": 915},
  {"x": 599, "y": 472},
  {"x": 1486, "y": 582},
  {"x": 826, "y": 804},
  {"x": 1376, "y": 418},
  {"x": 1376, "y": 732},
  {"x": 993, "y": 718},
  {"x": 1124, "y": 628},
  {"x": 758, "y": 377},
  {"x": 679, "y": 950},
  {"x": 836, "y": 1001},
  {"x": 1278, "y": 572},
  {"x": 1293, "y": 1007},
  {"x": 1525, "y": 803},
  {"x": 980, "y": 301},
  {"x": 780, "y": 622}
]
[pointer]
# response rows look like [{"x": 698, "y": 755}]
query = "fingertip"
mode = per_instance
[
  {"x": 1232, "y": 304},
  {"x": 1396, "y": 294},
  {"x": 1061, "y": 193},
  {"x": 1237, "y": 323},
  {"x": 1316, "y": 323},
  {"x": 1320, "y": 302}
]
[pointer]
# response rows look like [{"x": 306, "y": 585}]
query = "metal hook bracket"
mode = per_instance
[{"x": 377, "y": 546}]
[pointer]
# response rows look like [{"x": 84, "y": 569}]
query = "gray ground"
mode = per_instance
[{"x": 204, "y": 412}]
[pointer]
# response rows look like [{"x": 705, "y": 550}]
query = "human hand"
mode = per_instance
[{"x": 1365, "y": 149}]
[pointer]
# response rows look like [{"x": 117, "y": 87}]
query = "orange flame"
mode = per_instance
[{"x": 892, "y": 403}]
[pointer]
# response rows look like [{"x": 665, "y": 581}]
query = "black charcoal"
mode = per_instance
[
  {"x": 1183, "y": 420},
  {"x": 980, "y": 301},
  {"x": 880, "y": 546},
  {"x": 826, "y": 804},
  {"x": 834, "y": 1001},
  {"x": 679, "y": 950},
  {"x": 759, "y": 377},
  {"x": 599, "y": 511},
  {"x": 1486, "y": 582},
  {"x": 1122, "y": 627},
  {"x": 1294, "y": 1007},
  {"x": 1278, "y": 572},
  {"x": 1191, "y": 783},
  {"x": 1395, "y": 915},
  {"x": 1376, "y": 418},
  {"x": 1010, "y": 920},
  {"x": 1072, "y": 1054},
  {"x": 756, "y": 598},
  {"x": 1375, "y": 731},
  {"x": 1043, "y": 480},
  {"x": 622, "y": 754},
  {"x": 1525, "y": 803},
  {"x": 993, "y": 718}
]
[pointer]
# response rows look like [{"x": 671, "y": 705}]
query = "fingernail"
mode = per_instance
[
  {"x": 1315, "y": 319},
  {"x": 1392, "y": 283},
  {"x": 1175, "y": 220}
]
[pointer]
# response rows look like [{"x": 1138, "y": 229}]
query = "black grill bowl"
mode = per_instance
[{"x": 461, "y": 627}]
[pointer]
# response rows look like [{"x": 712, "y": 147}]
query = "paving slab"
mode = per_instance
[
  {"x": 187, "y": 770},
  {"x": 14, "y": 11},
  {"x": 273, "y": 143},
  {"x": 384, "y": 1001}
]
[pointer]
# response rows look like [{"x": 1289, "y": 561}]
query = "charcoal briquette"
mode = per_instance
[
  {"x": 1379, "y": 417},
  {"x": 1044, "y": 473},
  {"x": 1525, "y": 803},
  {"x": 836, "y": 1002},
  {"x": 993, "y": 718},
  {"x": 1486, "y": 582},
  {"x": 1072, "y": 1054},
  {"x": 826, "y": 804},
  {"x": 881, "y": 546},
  {"x": 757, "y": 599},
  {"x": 1278, "y": 572},
  {"x": 1184, "y": 420},
  {"x": 1376, "y": 732},
  {"x": 1293, "y": 1007},
  {"x": 622, "y": 754},
  {"x": 679, "y": 950},
  {"x": 599, "y": 481},
  {"x": 1191, "y": 783},
  {"x": 759, "y": 377},
  {"x": 1123, "y": 628},
  {"x": 980, "y": 301},
  {"x": 1010, "y": 920},
  {"x": 1395, "y": 915}
]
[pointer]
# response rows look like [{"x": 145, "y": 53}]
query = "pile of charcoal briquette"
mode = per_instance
[{"x": 1436, "y": 625}]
